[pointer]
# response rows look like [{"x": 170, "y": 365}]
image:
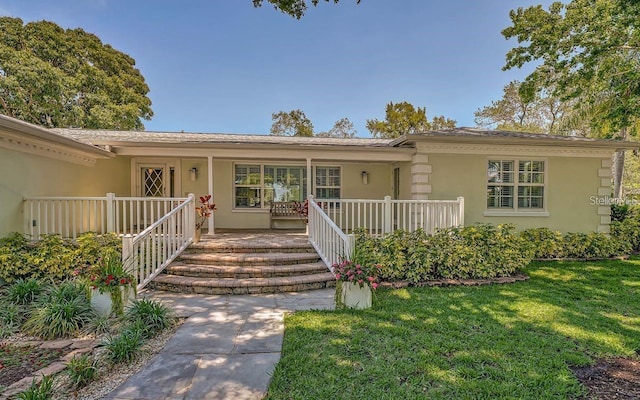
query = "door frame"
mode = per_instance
[{"x": 137, "y": 163}]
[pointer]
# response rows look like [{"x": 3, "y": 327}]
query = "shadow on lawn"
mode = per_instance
[{"x": 514, "y": 341}]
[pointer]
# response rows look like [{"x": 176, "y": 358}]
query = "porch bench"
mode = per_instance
[{"x": 284, "y": 210}]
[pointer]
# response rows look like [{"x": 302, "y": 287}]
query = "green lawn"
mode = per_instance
[{"x": 499, "y": 341}]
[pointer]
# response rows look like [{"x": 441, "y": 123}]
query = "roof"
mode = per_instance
[
  {"x": 478, "y": 135},
  {"x": 101, "y": 137},
  {"x": 109, "y": 137}
]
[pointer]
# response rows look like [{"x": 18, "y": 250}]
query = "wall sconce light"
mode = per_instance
[
  {"x": 365, "y": 177},
  {"x": 193, "y": 172}
]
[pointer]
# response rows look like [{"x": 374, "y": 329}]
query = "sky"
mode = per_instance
[{"x": 225, "y": 66}]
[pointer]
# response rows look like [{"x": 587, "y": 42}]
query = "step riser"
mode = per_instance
[
  {"x": 239, "y": 274},
  {"x": 247, "y": 262},
  {"x": 240, "y": 290},
  {"x": 244, "y": 250}
]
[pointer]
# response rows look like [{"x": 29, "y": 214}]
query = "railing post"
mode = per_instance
[
  {"x": 461, "y": 211},
  {"x": 191, "y": 216},
  {"x": 388, "y": 215},
  {"x": 351, "y": 245},
  {"x": 310, "y": 217},
  {"x": 127, "y": 248},
  {"x": 111, "y": 220}
]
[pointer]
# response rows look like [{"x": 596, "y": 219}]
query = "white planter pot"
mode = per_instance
[
  {"x": 102, "y": 303},
  {"x": 354, "y": 296}
]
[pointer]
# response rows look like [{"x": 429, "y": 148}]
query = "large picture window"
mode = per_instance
[
  {"x": 515, "y": 185},
  {"x": 258, "y": 185}
]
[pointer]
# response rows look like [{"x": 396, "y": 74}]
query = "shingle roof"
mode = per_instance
[{"x": 98, "y": 137}]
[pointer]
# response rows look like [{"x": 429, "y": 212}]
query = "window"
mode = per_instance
[
  {"x": 284, "y": 184},
  {"x": 256, "y": 186},
  {"x": 327, "y": 182},
  {"x": 248, "y": 187},
  {"x": 515, "y": 185}
]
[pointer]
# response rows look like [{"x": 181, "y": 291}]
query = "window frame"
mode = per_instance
[
  {"x": 329, "y": 187},
  {"x": 516, "y": 210}
]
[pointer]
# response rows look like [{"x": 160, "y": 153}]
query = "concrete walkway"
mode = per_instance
[{"x": 226, "y": 349}]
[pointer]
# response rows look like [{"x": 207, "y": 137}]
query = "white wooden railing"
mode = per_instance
[
  {"x": 70, "y": 216},
  {"x": 146, "y": 254},
  {"x": 331, "y": 243},
  {"x": 386, "y": 216}
]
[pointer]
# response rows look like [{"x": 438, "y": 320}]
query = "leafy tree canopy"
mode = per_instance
[
  {"x": 589, "y": 51},
  {"x": 294, "y": 8},
  {"x": 523, "y": 108},
  {"x": 68, "y": 78},
  {"x": 403, "y": 118},
  {"x": 292, "y": 123},
  {"x": 343, "y": 129}
]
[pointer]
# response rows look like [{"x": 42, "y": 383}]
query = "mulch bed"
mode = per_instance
[
  {"x": 614, "y": 378},
  {"x": 18, "y": 361}
]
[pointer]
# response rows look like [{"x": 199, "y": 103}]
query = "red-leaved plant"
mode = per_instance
[{"x": 204, "y": 210}]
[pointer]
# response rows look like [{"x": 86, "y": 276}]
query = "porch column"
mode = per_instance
[
  {"x": 309, "y": 186},
  {"x": 210, "y": 191},
  {"x": 420, "y": 170}
]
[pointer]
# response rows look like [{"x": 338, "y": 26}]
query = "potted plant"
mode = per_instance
[
  {"x": 112, "y": 286},
  {"x": 204, "y": 211},
  {"x": 355, "y": 283}
]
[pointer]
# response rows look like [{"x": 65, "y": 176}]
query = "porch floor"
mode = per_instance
[{"x": 257, "y": 237}]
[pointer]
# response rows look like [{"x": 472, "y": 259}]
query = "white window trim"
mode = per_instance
[
  {"x": 138, "y": 162},
  {"x": 261, "y": 164},
  {"x": 315, "y": 187},
  {"x": 516, "y": 212}
]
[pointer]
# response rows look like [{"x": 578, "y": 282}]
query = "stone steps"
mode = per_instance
[
  {"x": 190, "y": 284},
  {"x": 241, "y": 272},
  {"x": 246, "y": 263}
]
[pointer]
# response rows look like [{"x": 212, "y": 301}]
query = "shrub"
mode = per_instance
[
  {"x": 91, "y": 247},
  {"x": 13, "y": 255},
  {"x": 544, "y": 242},
  {"x": 592, "y": 246},
  {"x": 39, "y": 391},
  {"x": 24, "y": 291},
  {"x": 64, "y": 312},
  {"x": 481, "y": 251},
  {"x": 153, "y": 316},
  {"x": 627, "y": 231},
  {"x": 52, "y": 257},
  {"x": 82, "y": 370}
]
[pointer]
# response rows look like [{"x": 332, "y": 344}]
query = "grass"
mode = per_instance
[{"x": 516, "y": 341}]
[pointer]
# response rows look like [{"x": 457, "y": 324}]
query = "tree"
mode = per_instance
[
  {"x": 68, "y": 78},
  {"x": 294, "y": 8},
  {"x": 292, "y": 123},
  {"x": 524, "y": 109},
  {"x": 587, "y": 50},
  {"x": 403, "y": 118},
  {"x": 343, "y": 129}
]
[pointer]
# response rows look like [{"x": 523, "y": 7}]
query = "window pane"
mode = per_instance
[
  {"x": 531, "y": 197},
  {"x": 247, "y": 197},
  {"x": 531, "y": 172},
  {"x": 499, "y": 196},
  {"x": 500, "y": 171},
  {"x": 328, "y": 193}
]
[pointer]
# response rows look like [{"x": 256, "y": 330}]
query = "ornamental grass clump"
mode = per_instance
[{"x": 152, "y": 315}]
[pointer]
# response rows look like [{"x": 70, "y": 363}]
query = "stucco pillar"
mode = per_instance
[
  {"x": 210, "y": 190},
  {"x": 604, "y": 212},
  {"x": 420, "y": 171}
]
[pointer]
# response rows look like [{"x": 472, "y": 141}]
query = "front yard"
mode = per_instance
[{"x": 522, "y": 340}]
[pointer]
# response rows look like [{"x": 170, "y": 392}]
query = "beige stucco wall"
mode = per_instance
[
  {"x": 571, "y": 183},
  {"x": 23, "y": 175},
  {"x": 379, "y": 185}
]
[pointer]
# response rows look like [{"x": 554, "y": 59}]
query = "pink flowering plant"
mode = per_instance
[{"x": 349, "y": 271}]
